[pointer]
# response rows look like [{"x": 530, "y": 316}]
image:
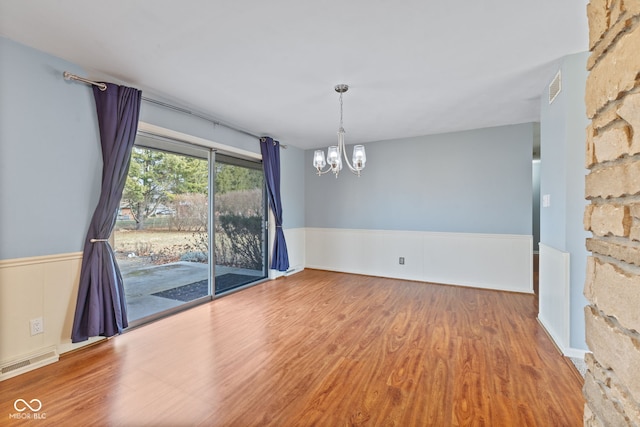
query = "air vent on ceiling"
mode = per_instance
[{"x": 555, "y": 87}]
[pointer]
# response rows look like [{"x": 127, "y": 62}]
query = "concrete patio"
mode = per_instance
[{"x": 142, "y": 281}]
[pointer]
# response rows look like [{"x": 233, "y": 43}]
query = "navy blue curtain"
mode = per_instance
[
  {"x": 271, "y": 165},
  {"x": 101, "y": 306}
]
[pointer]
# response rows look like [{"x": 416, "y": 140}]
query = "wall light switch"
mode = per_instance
[{"x": 546, "y": 200}]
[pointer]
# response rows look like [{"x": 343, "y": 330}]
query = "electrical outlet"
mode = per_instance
[
  {"x": 401, "y": 260},
  {"x": 37, "y": 326}
]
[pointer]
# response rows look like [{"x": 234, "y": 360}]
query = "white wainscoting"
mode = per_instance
[
  {"x": 490, "y": 261},
  {"x": 44, "y": 286},
  {"x": 554, "y": 297},
  {"x": 295, "y": 238}
]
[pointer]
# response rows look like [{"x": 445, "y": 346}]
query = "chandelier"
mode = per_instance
[{"x": 336, "y": 152}]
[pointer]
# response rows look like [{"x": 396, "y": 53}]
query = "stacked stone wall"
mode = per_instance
[{"x": 612, "y": 287}]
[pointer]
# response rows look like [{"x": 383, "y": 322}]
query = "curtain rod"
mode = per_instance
[{"x": 68, "y": 76}]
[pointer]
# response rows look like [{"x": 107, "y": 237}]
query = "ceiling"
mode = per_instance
[{"x": 414, "y": 67}]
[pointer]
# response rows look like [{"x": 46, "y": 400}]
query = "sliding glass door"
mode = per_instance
[
  {"x": 172, "y": 251},
  {"x": 240, "y": 223}
]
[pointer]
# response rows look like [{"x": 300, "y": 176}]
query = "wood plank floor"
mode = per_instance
[{"x": 319, "y": 348}]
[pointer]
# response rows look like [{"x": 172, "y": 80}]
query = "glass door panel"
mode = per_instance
[
  {"x": 161, "y": 234},
  {"x": 239, "y": 220}
]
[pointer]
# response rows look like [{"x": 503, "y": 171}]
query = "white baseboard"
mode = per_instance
[{"x": 576, "y": 353}]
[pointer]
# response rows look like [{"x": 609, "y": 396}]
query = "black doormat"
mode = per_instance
[
  {"x": 233, "y": 280},
  {"x": 200, "y": 289}
]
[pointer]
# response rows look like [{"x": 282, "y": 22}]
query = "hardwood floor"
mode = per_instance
[{"x": 319, "y": 348}]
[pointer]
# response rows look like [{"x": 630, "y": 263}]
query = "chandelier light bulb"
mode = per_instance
[
  {"x": 359, "y": 157},
  {"x": 318, "y": 160}
]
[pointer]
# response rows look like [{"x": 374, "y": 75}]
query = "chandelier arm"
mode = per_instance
[
  {"x": 343, "y": 149},
  {"x": 322, "y": 172},
  {"x": 344, "y": 154}
]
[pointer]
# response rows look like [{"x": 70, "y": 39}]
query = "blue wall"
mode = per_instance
[
  {"x": 292, "y": 176},
  {"x": 476, "y": 181},
  {"x": 50, "y": 160},
  {"x": 553, "y": 134},
  {"x": 562, "y": 176}
]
